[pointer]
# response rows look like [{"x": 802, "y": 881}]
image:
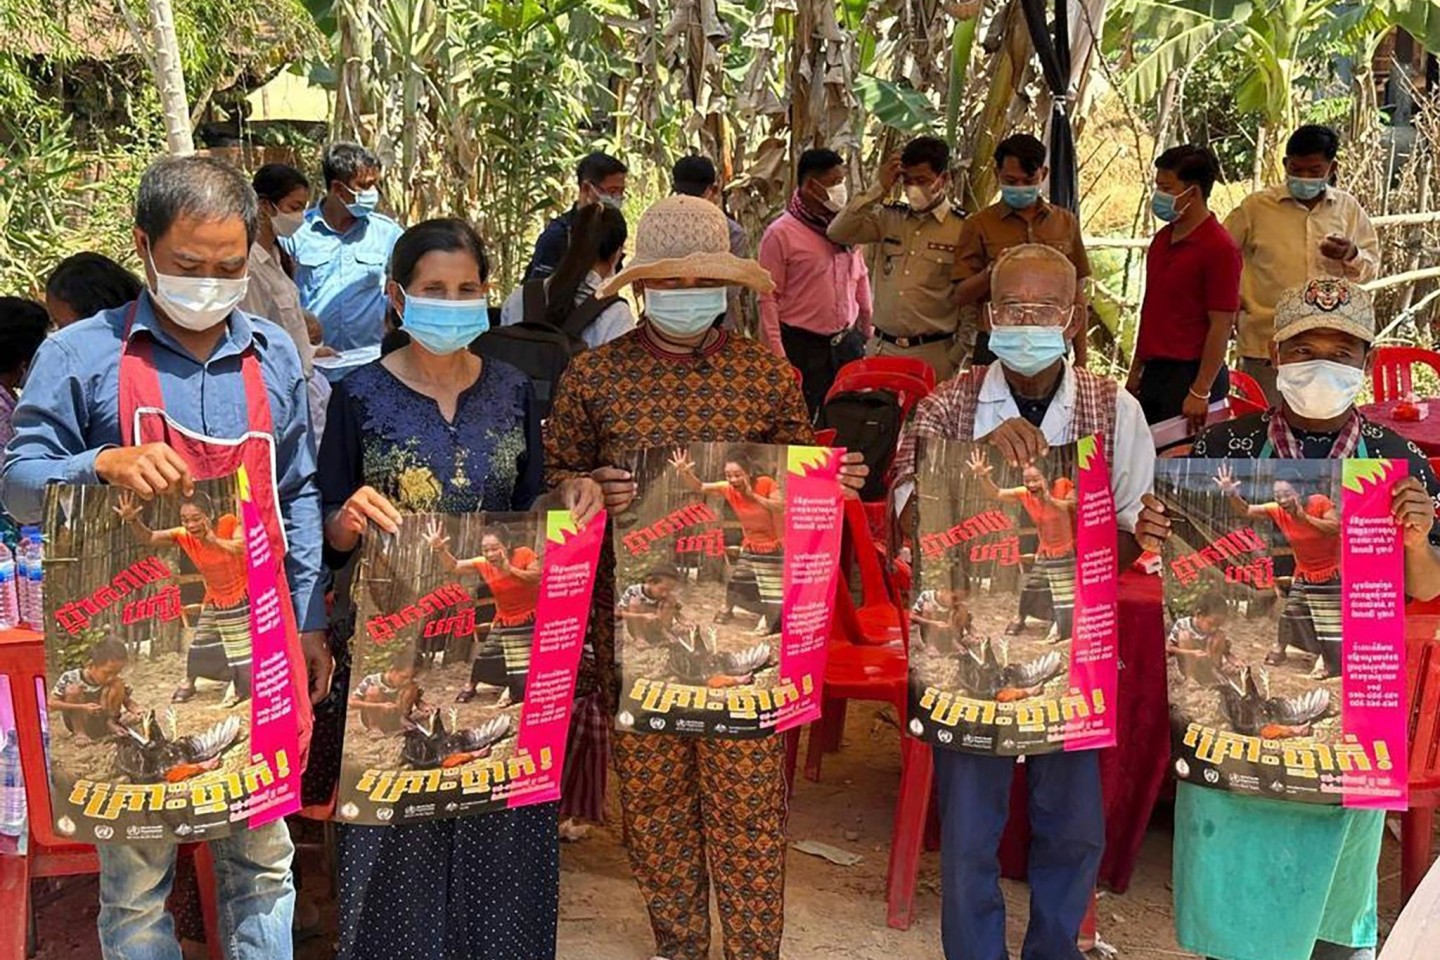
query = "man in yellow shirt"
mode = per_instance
[{"x": 1288, "y": 234}]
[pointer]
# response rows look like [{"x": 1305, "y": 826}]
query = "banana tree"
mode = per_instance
[{"x": 1285, "y": 44}]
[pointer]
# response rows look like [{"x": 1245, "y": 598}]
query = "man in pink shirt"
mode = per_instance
[{"x": 818, "y": 316}]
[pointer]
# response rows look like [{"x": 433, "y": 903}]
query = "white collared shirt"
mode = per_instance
[{"x": 1131, "y": 450}]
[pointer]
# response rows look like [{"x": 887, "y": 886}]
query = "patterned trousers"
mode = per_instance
[{"x": 689, "y": 801}]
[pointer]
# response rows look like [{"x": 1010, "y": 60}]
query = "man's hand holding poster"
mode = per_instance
[
  {"x": 1012, "y": 637},
  {"x": 466, "y": 647},
  {"x": 725, "y": 582},
  {"x": 1284, "y": 589},
  {"x": 170, "y": 704}
]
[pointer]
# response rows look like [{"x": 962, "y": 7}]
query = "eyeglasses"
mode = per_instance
[{"x": 1029, "y": 315}]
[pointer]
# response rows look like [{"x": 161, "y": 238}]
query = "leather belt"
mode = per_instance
[{"x": 917, "y": 341}]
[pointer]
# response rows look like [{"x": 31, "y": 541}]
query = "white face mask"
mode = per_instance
[
  {"x": 1319, "y": 389},
  {"x": 917, "y": 196},
  {"x": 837, "y": 196},
  {"x": 285, "y": 224},
  {"x": 197, "y": 303}
]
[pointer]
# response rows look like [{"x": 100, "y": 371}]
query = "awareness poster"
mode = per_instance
[
  {"x": 1013, "y": 645},
  {"x": 171, "y": 709},
  {"x": 725, "y": 582},
  {"x": 1284, "y": 593},
  {"x": 467, "y": 642}
]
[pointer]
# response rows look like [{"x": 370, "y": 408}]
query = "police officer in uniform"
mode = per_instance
[{"x": 915, "y": 312}]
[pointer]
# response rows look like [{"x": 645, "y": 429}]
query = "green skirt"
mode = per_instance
[{"x": 1259, "y": 879}]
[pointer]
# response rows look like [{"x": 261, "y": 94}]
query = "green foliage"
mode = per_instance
[{"x": 896, "y": 105}]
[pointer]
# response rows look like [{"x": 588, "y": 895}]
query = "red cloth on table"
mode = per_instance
[
  {"x": 1425, "y": 433},
  {"x": 1133, "y": 772}
]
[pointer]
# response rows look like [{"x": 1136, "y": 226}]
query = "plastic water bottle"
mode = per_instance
[
  {"x": 9, "y": 593},
  {"x": 22, "y": 581},
  {"x": 34, "y": 609}
]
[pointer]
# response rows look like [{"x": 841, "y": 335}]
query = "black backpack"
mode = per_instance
[
  {"x": 539, "y": 348},
  {"x": 868, "y": 421}
]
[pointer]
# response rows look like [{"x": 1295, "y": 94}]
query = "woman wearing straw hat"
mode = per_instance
[{"x": 693, "y": 808}]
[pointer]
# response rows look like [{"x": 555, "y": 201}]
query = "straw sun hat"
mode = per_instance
[{"x": 681, "y": 237}]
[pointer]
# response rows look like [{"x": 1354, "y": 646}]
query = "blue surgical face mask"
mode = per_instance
[
  {"x": 365, "y": 202},
  {"x": 1164, "y": 206},
  {"x": 684, "y": 313},
  {"x": 1028, "y": 350},
  {"x": 1019, "y": 198},
  {"x": 1306, "y": 188},
  {"x": 444, "y": 326}
]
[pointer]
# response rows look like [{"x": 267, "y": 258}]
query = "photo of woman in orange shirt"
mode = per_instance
[
  {"x": 220, "y": 644},
  {"x": 1311, "y": 525},
  {"x": 759, "y": 505},
  {"x": 513, "y": 579},
  {"x": 1051, "y": 507}
]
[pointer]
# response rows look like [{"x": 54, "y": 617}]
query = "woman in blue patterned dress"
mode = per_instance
[{"x": 430, "y": 427}]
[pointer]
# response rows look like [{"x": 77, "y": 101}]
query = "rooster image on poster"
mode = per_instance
[
  {"x": 760, "y": 506},
  {"x": 146, "y": 754},
  {"x": 698, "y": 662},
  {"x": 220, "y": 643},
  {"x": 1051, "y": 507},
  {"x": 985, "y": 677},
  {"x": 1312, "y": 528},
  {"x": 1274, "y": 718},
  {"x": 513, "y": 578},
  {"x": 429, "y": 743}
]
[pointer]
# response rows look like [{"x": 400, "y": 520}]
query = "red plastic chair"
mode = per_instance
[
  {"x": 22, "y": 661},
  {"x": 1390, "y": 370},
  {"x": 867, "y": 659},
  {"x": 1422, "y": 620}
]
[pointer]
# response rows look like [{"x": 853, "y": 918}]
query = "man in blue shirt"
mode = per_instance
[
  {"x": 602, "y": 180},
  {"x": 191, "y": 362},
  {"x": 342, "y": 249}
]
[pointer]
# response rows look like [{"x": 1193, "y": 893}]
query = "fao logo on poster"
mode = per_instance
[
  {"x": 657, "y": 723},
  {"x": 626, "y": 719},
  {"x": 1212, "y": 775},
  {"x": 104, "y": 832},
  {"x": 1182, "y": 769},
  {"x": 384, "y": 814},
  {"x": 917, "y": 728},
  {"x": 66, "y": 826},
  {"x": 349, "y": 811}
]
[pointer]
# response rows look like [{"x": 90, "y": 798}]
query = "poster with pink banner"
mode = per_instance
[
  {"x": 170, "y": 697},
  {"x": 725, "y": 570},
  {"x": 1012, "y": 630},
  {"x": 1284, "y": 595},
  {"x": 468, "y": 639}
]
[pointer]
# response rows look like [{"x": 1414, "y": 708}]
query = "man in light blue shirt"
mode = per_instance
[
  {"x": 342, "y": 250},
  {"x": 192, "y": 362}
]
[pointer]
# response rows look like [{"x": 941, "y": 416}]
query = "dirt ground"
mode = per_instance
[
  {"x": 1250, "y": 640},
  {"x": 439, "y": 686},
  {"x": 152, "y": 682},
  {"x": 831, "y": 911},
  {"x": 700, "y": 603}
]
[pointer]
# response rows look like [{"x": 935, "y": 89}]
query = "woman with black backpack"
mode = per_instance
[{"x": 566, "y": 299}]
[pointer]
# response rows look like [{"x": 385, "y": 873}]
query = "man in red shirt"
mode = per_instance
[
  {"x": 1192, "y": 294},
  {"x": 1311, "y": 525}
]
